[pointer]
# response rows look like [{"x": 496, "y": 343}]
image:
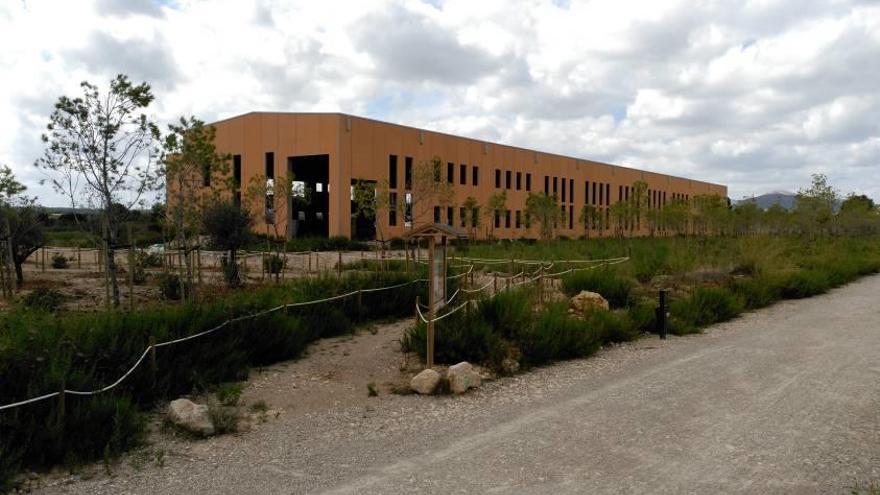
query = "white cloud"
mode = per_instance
[{"x": 756, "y": 95}]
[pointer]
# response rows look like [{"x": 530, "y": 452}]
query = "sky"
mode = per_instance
[{"x": 757, "y": 95}]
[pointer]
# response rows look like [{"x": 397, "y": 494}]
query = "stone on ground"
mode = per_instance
[
  {"x": 425, "y": 382},
  {"x": 586, "y": 301},
  {"x": 461, "y": 377},
  {"x": 191, "y": 417}
]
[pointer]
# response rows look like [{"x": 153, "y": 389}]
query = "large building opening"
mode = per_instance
[
  {"x": 310, "y": 198},
  {"x": 363, "y": 209}
]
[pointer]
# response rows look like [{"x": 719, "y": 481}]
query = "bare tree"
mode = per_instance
[{"x": 100, "y": 151}]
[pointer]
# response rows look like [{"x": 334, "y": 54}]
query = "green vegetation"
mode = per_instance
[
  {"x": 710, "y": 280},
  {"x": 85, "y": 351}
]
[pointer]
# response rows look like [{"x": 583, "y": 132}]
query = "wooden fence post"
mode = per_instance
[
  {"x": 79, "y": 263},
  {"x": 339, "y": 264}
]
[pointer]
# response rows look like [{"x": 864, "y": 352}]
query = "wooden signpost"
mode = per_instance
[{"x": 437, "y": 237}]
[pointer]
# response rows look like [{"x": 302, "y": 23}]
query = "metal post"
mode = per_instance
[{"x": 661, "y": 314}]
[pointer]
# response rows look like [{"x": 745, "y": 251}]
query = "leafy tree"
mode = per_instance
[
  {"x": 858, "y": 215},
  {"x": 22, "y": 221},
  {"x": 192, "y": 163},
  {"x": 746, "y": 218},
  {"x": 496, "y": 207},
  {"x": 472, "y": 208},
  {"x": 100, "y": 150},
  {"x": 638, "y": 205},
  {"x": 590, "y": 218},
  {"x": 428, "y": 189},
  {"x": 545, "y": 210},
  {"x": 620, "y": 213},
  {"x": 228, "y": 225},
  {"x": 676, "y": 214},
  {"x": 814, "y": 206}
]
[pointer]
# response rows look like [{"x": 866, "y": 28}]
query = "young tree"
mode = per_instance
[
  {"x": 620, "y": 213},
  {"x": 545, "y": 210},
  {"x": 22, "y": 225},
  {"x": 858, "y": 215},
  {"x": 228, "y": 225},
  {"x": 100, "y": 149},
  {"x": 590, "y": 218},
  {"x": 638, "y": 205},
  {"x": 192, "y": 165},
  {"x": 814, "y": 206},
  {"x": 429, "y": 190},
  {"x": 496, "y": 208},
  {"x": 472, "y": 208}
]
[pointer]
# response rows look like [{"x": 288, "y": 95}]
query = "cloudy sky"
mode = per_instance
[{"x": 756, "y": 94}]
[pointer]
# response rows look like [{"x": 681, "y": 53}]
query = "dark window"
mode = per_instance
[
  {"x": 449, "y": 217},
  {"x": 507, "y": 179},
  {"x": 270, "y": 165},
  {"x": 607, "y": 194},
  {"x": 562, "y": 199},
  {"x": 570, "y": 217},
  {"x": 571, "y": 190},
  {"x": 497, "y": 178},
  {"x": 392, "y": 207},
  {"x": 528, "y": 182},
  {"x": 518, "y": 219},
  {"x": 407, "y": 172},
  {"x": 546, "y": 185},
  {"x": 587, "y": 192},
  {"x": 507, "y": 219},
  {"x": 594, "y": 193},
  {"x": 475, "y": 217},
  {"x": 555, "y": 185},
  {"x": 206, "y": 176},
  {"x": 475, "y": 179},
  {"x": 462, "y": 216},
  {"x": 462, "y": 174},
  {"x": 450, "y": 172},
  {"x": 601, "y": 195},
  {"x": 392, "y": 171},
  {"x": 518, "y": 181},
  {"x": 436, "y": 214},
  {"x": 497, "y": 219},
  {"x": 236, "y": 170},
  {"x": 619, "y": 193},
  {"x": 237, "y": 198}
]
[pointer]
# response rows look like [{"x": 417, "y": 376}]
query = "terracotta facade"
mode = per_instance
[{"x": 355, "y": 148}]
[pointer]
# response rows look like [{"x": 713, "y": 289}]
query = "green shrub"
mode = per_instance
[
  {"x": 273, "y": 264},
  {"x": 462, "y": 336},
  {"x": 148, "y": 260},
  {"x": 756, "y": 292},
  {"x": 803, "y": 283},
  {"x": 643, "y": 316},
  {"x": 43, "y": 299},
  {"x": 229, "y": 393},
  {"x": 612, "y": 326},
  {"x": 556, "y": 335},
  {"x": 614, "y": 287},
  {"x": 707, "y": 305},
  {"x": 169, "y": 286},
  {"x": 59, "y": 261},
  {"x": 507, "y": 313}
]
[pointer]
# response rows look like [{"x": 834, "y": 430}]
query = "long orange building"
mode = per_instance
[{"x": 327, "y": 153}]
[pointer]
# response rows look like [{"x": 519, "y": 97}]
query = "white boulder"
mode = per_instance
[
  {"x": 461, "y": 377},
  {"x": 425, "y": 382},
  {"x": 191, "y": 417}
]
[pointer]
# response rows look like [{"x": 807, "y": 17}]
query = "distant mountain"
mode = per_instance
[{"x": 764, "y": 201}]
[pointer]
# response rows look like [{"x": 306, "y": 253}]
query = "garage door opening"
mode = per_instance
[{"x": 310, "y": 198}]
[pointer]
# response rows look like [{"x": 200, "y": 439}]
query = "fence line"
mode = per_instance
[{"x": 197, "y": 335}]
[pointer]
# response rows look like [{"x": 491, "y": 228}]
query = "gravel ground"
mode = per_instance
[{"x": 784, "y": 400}]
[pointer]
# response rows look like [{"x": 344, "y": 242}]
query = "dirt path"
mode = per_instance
[{"x": 784, "y": 400}]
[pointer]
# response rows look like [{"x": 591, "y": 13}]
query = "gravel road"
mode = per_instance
[{"x": 784, "y": 400}]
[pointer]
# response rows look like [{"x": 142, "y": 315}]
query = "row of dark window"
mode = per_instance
[
  {"x": 509, "y": 180},
  {"x": 450, "y": 173}
]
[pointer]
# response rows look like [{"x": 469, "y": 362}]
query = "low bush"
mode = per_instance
[
  {"x": 43, "y": 299},
  {"x": 59, "y": 261},
  {"x": 617, "y": 289},
  {"x": 556, "y": 335},
  {"x": 613, "y": 326},
  {"x": 707, "y": 305},
  {"x": 273, "y": 264},
  {"x": 169, "y": 286}
]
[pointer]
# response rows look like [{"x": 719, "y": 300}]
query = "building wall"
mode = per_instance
[{"x": 359, "y": 148}]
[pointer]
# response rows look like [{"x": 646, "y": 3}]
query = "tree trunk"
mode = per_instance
[{"x": 110, "y": 244}]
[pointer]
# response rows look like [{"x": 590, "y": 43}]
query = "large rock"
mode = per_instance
[
  {"x": 461, "y": 377},
  {"x": 425, "y": 382},
  {"x": 191, "y": 417},
  {"x": 587, "y": 301}
]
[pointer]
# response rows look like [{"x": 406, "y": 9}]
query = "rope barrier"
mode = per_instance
[{"x": 197, "y": 335}]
